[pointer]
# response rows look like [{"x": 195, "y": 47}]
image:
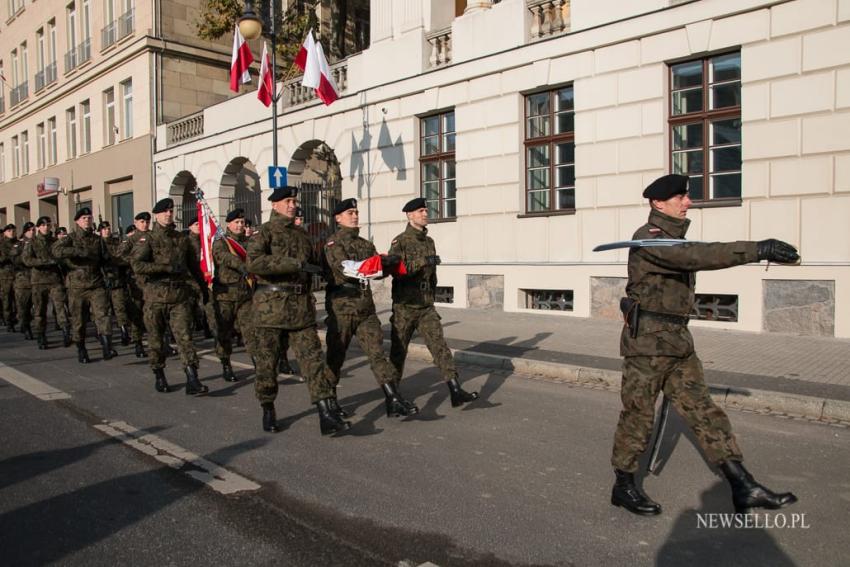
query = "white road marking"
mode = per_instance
[
  {"x": 30, "y": 385},
  {"x": 214, "y": 476},
  {"x": 234, "y": 363}
]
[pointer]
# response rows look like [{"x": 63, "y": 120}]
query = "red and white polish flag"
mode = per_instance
[
  {"x": 317, "y": 73},
  {"x": 265, "y": 89},
  {"x": 208, "y": 230},
  {"x": 240, "y": 61}
]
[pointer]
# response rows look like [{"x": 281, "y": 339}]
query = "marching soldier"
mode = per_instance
[
  {"x": 135, "y": 282},
  {"x": 351, "y": 310},
  {"x": 659, "y": 355},
  {"x": 166, "y": 259},
  {"x": 7, "y": 277},
  {"x": 23, "y": 286},
  {"x": 117, "y": 281},
  {"x": 231, "y": 304},
  {"x": 201, "y": 293},
  {"x": 86, "y": 255},
  {"x": 413, "y": 300},
  {"x": 283, "y": 259},
  {"x": 47, "y": 282}
]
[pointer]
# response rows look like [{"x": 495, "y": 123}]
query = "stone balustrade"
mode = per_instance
[
  {"x": 295, "y": 94},
  {"x": 441, "y": 47},
  {"x": 185, "y": 129},
  {"x": 549, "y": 17}
]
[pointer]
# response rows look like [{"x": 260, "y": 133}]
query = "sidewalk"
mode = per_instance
[{"x": 797, "y": 375}]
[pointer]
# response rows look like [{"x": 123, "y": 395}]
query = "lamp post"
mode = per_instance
[{"x": 251, "y": 27}]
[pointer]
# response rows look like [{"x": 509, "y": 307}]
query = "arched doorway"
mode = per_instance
[
  {"x": 240, "y": 189},
  {"x": 314, "y": 169},
  {"x": 182, "y": 190}
]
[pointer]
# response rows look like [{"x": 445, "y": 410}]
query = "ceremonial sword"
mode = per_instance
[{"x": 643, "y": 243}]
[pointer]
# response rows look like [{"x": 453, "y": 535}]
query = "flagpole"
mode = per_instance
[{"x": 273, "y": 17}]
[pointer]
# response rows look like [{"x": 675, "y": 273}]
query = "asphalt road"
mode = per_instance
[{"x": 520, "y": 477}]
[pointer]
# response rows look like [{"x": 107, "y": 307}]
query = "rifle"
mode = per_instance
[
  {"x": 652, "y": 466},
  {"x": 104, "y": 253}
]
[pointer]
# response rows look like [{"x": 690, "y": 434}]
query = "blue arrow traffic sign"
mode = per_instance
[{"x": 277, "y": 177}]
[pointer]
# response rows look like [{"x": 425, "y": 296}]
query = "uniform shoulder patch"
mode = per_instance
[
  {"x": 329, "y": 243},
  {"x": 654, "y": 230},
  {"x": 141, "y": 240},
  {"x": 394, "y": 241}
]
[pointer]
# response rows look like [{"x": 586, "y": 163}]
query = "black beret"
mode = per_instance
[
  {"x": 414, "y": 205},
  {"x": 27, "y": 226},
  {"x": 9, "y": 226},
  {"x": 299, "y": 212},
  {"x": 234, "y": 215},
  {"x": 282, "y": 193},
  {"x": 144, "y": 215},
  {"x": 103, "y": 224},
  {"x": 248, "y": 222},
  {"x": 193, "y": 220},
  {"x": 82, "y": 212},
  {"x": 61, "y": 230},
  {"x": 163, "y": 205},
  {"x": 344, "y": 205},
  {"x": 42, "y": 220},
  {"x": 665, "y": 187},
  {"x": 130, "y": 229}
]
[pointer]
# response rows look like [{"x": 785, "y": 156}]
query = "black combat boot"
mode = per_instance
[
  {"x": 11, "y": 327},
  {"x": 106, "y": 344},
  {"x": 125, "y": 335},
  {"x": 82, "y": 354},
  {"x": 459, "y": 395},
  {"x": 283, "y": 366},
  {"x": 66, "y": 336},
  {"x": 269, "y": 418},
  {"x": 161, "y": 384},
  {"x": 333, "y": 402},
  {"x": 627, "y": 494},
  {"x": 227, "y": 372},
  {"x": 42, "y": 341},
  {"x": 329, "y": 420},
  {"x": 193, "y": 385},
  {"x": 140, "y": 350},
  {"x": 396, "y": 405},
  {"x": 27, "y": 331},
  {"x": 208, "y": 334},
  {"x": 748, "y": 494}
]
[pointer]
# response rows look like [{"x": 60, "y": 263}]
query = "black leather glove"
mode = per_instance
[
  {"x": 774, "y": 250},
  {"x": 310, "y": 268},
  {"x": 433, "y": 260},
  {"x": 390, "y": 261}
]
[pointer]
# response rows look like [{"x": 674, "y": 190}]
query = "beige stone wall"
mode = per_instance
[
  {"x": 190, "y": 85},
  {"x": 178, "y": 23}
]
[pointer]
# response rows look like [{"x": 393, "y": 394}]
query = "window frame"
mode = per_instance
[
  {"x": 440, "y": 157},
  {"x": 52, "y": 141},
  {"x": 85, "y": 127},
  {"x": 126, "y": 113},
  {"x": 25, "y": 153},
  {"x": 109, "y": 120},
  {"x": 71, "y": 131},
  {"x": 552, "y": 141},
  {"x": 704, "y": 117},
  {"x": 41, "y": 145}
]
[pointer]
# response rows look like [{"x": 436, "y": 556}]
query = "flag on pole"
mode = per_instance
[
  {"x": 240, "y": 61},
  {"x": 209, "y": 228},
  {"x": 265, "y": 88},
  {"x": 317, "y": 73}
]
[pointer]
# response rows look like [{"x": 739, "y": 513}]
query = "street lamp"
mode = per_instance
[{"x": 251, "y": 27}]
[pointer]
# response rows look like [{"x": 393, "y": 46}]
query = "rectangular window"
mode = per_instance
[
  {"x": 52, "y": 26},
  {"x": 122, "y": 212},
  {"x": 437, "y": 164},
  {"x": 40, "y": 55},
  {"x": 41, "y": 150},
  {"x": 71, "y": 121},
  {"x": 86, "y": 23},
  {"x": 15, "y": 76},
  {"x": 85, "y": 130},
  {"x": 52, "y": 141},
  {"x": 715, "y": 307},
  {"x": 549, "y": 299},
  {"x": 16, "y": 157},
  {"x": 705, "y": 126},
  {"x": 127, "y": 109},
  {"x": 25, "y": 152},
  {"x": 109, "y": 116},
  {"x": 550, "y": 176},
  {"x": 25, "y": 64}
]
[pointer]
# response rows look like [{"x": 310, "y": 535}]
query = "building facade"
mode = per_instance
[
  {"x": 532, "y": 127},
  {"x": 85, "y": 84}
]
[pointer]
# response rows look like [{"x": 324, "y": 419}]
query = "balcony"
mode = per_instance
[
  {"x": 109, "y": 35},
  {"x": 548, "y": 17},
  {"x": 294, "y": 93},
  {"x": 40, "y": 80},
  {"x": 441, "y": 47},
  {"x": 126, "y": 24},
  {"x": 84, "y": 52},
  {"x": 18, "y": 94},
  {"x": 50, "y": 74},
  {"x": 70, "y": 60},
  {"x": 185, "y": 129}
]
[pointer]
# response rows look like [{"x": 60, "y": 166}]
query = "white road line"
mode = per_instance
[
  {"x": 235, "y": 363},
  {"x": 214, "y": 476},
  {"x": 30, "y": 385}
]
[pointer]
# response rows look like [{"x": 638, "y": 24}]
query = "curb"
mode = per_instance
[{"x": 794, "y": 405}]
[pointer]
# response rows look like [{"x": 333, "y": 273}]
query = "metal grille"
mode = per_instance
[
  {"x": 713, "y": 307},
  {"x": 444, "y": 294},
  {"x": 317, "y": 202},
  {"x": 549, "y": 299},
  {"x": 186, "y": 210}
]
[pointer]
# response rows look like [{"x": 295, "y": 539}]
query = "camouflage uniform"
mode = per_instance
[
  {"x": 135, "y": 289},
  {"x": 117, "y": 280},
  {"x": 231, "y": 304},
  {"x": 165, "y": 259},
  {"x": 351, "y": 310},
  {"x": 661, "y": 357},
  {"x": 413, "y": 303},
  {"x": 85, "y": 255},
  {"x": 46, "y": 279},
  {"x": 283, "y": 302},
  {"x": 7, "y": 279},
  {"x": 23, "y": 286}
]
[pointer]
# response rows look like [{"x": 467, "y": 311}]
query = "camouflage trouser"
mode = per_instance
[
  {"x": 158, "y": 317},
  {"x": 126, "y": 312},
  {"x": 80, "y": 301},
  {"x": 342, "y": 328},
  {"x": 228, "y": 314},
  {"x": 40, "y": 295},
  {"x": 136, "y": 306},
  {"x": 308, "y": 352},
  {"x": 682, "y": 381},
  {"x": 7, "y": 297},
  {"x": 23, "y": 302},
  {"x": 405, "y": 320}
]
